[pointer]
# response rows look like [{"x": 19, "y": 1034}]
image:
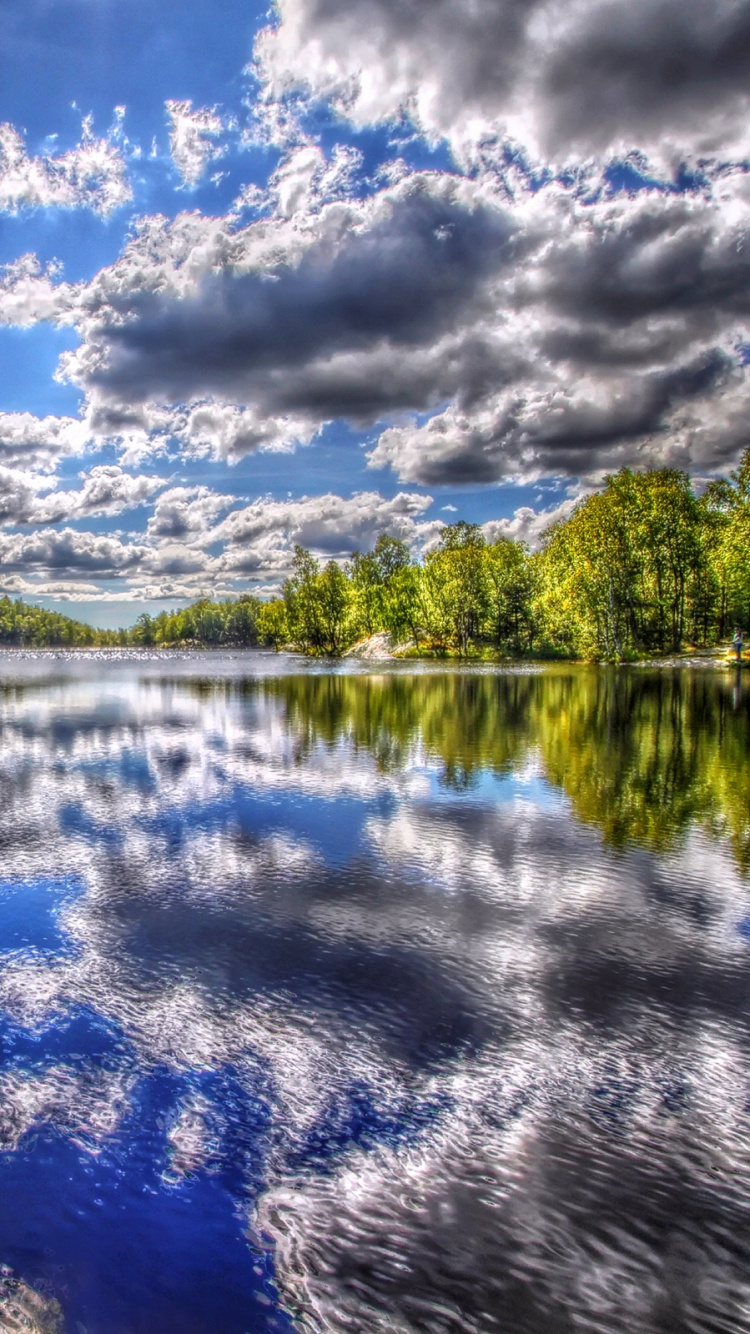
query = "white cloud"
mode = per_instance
[
  {"x": 254, "y": 543},
  {"x": 229, "y": 432},
  {"x": 15, "y": 585},
  {"x": 92, "y": 175},
  {"x": 304, "y": 180},
  {"x": 106, "y": 489},
  {"x": 292, "y": 182},
  {"x": 252, "y": 197},
  {"x": 565, "y": 336},
  {"x": 30, "y": 451},
  {"x": 349, "y": 315},
  {"x": 186, "y": 513},
  {"x": 546, "y": 334},
  {"x": 29, "y": 293},
  {"x": 192, "y": 139},
  {"x": 529, "y": 525},
  {"x": 263, "y": 535},
  {"x": 19, "y": 492},
  {"x": 39, "y": 442},
  {"x": 177, "y": 559},
  {"x": 56, "y": 553}
]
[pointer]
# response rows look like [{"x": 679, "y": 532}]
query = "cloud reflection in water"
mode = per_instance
[{"x": 430, "y": 989}]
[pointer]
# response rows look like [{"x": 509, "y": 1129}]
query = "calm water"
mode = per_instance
[{"x": 373, "y": 1000}]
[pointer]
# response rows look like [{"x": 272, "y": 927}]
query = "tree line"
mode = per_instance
[
  {"x": 206, "y": 624},
  {"x": 464, "y": 596},
  {"x": 232, "y": 622},
  {"x": 22, "y": 626},
  {"x": 645, "y": 565}
]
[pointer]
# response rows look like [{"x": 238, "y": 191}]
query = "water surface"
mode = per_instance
[{"x": 353, "y": 999}]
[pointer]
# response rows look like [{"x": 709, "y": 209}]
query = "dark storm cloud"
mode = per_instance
[
  {"x": 600, "y": 424},
  {"x": 634, "y": 70},
  {"x": 563, "y": 335},
  {"x": 660, "y": 256},
  {"x": 405, "y": 281},
  {"x": 630, "y": 314},
  {"x": 562, "y": 79}
]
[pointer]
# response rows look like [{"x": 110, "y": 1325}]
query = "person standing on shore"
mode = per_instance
[{"x": 737, "y": 643}]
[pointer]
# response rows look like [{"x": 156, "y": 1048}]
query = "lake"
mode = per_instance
[{"x": 352, "y": 998}]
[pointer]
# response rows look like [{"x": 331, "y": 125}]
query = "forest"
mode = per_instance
[
  {"x": 24, "y": 626},
  {"x": 644, "y": 566}
]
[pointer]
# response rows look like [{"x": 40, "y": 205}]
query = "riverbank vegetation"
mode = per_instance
[
  {"x": 232, "y": 622},
  {"x": 645, "y": 566}
]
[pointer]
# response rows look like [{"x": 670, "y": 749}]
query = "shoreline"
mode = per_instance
[{"x": 700, "y": 659}]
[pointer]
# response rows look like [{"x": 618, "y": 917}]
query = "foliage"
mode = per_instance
[
  {"x": 316, "y": 604},
  {"x": 384, "y": 591},
  {"x": 465, "y": 595},
  {"x": 208, "y": 624},
  {"x": 25, "y": 626},
  {"x": 623, "y": 573},
  {"x": 231, "y": 622},
  {"x": 272, "y": 624},
  {"x": 645, "y": 566}
]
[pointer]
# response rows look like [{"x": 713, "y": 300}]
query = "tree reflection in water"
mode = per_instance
[{"x": 642, "y": 755}]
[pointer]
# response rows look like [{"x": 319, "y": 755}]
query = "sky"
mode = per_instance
[{"x": 311, "y": 273}]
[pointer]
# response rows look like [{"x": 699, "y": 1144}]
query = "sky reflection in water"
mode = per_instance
[{"x": 353, "y": 1000}]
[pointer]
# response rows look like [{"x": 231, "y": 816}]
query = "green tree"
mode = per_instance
[
  {"x": 316, "y": 604},
  {"x": 457, "y": 586},
  {"x": 332, "y": 592},
  {"x": 272, "y": 624},
  {"x": 382, "y": 587},
  {"x": 404, "y": 607},
  {"x": 626, "y": 572},
  {"x": 510, "y": 584},
  {"x": 728, "y": 501},
  {"x": 302, "y": 602},
  {"x": 391, "y": 555},
  {"x": 144, "y": 630},
  {"x": 366, "y": 586}
]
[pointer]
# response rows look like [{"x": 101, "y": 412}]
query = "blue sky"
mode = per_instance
[{"x": 331, "y": 269}]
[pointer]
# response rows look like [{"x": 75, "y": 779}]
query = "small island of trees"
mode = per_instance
[{"x": 643, "y": 566}]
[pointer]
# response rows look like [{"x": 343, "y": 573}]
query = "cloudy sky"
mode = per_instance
[{"x": 348, "y": 266}]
